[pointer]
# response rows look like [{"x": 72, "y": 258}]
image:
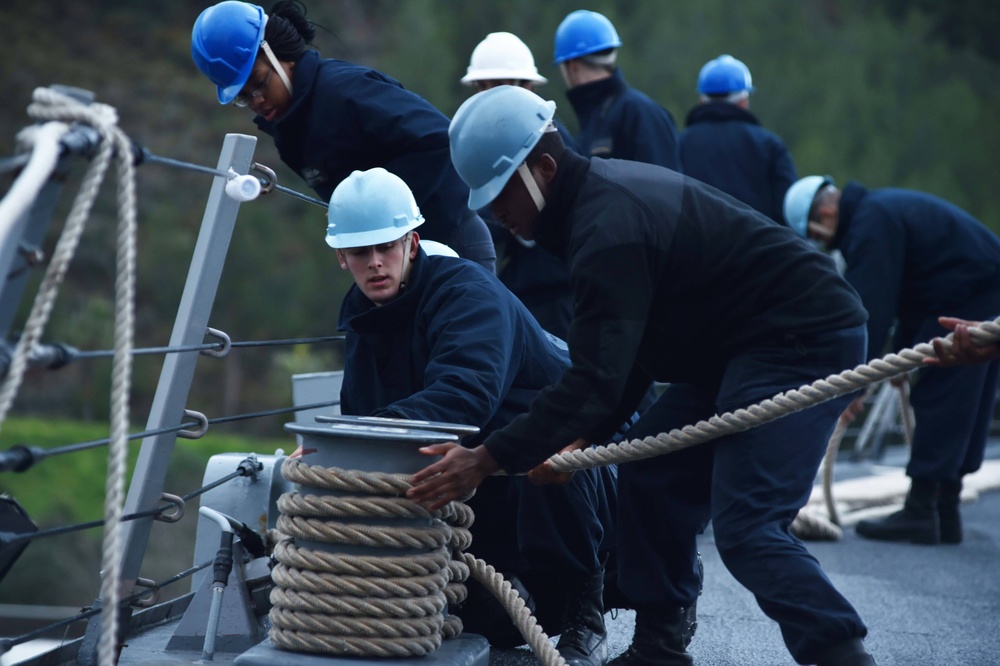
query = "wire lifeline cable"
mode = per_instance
[
  {"x": 48, "y": 104},
  {"x": 77, "y": 527},
  {"x": 180, "y": 164},
  {"x": 7, "y": 643},
  {"x": 14, "y": 458},
  {"x": 207, "y": 346}
]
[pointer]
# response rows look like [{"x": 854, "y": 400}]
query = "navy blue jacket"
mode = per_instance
[
  {"x": 456, "y": 346},
  {"x": 617, "y": 121},
  {"x": 346, "y": 117},
  {"x": 913, "y": 256},
  {"x": 671, "y": 280},
  {"x": 726, "y": 147}
]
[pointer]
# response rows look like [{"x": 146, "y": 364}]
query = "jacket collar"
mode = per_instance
[
  {"x": 717, "y": 112},
  {"x": 850, "y": 197},
  {"x": 552, "y": 227},
  {"x": 591, "y": 95}
]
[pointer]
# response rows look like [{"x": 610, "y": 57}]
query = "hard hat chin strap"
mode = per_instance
[
  {"x": 269, "y": 54},
  {"x": 404, "y": 274},
  {"x": 529, "y": 182}
]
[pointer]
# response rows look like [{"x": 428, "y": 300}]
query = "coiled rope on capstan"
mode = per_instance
[
  {"x": 365, "y": 605},
  {"x": 50, "y": 105},
  {"x": 783, "y": 404},
  {"x": 374, "y": 605}
]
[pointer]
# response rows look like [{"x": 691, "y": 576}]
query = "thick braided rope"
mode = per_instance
[
  {"x": 810, "y": 525},
  {"x": 769, "y": 410},
  {"x": 516, "y": 609},
  {"x": 50, "y": 105},
  {"x": 365, "y": 605}
]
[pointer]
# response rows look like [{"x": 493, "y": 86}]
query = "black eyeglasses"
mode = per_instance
[{"x": 243, "y": 99}]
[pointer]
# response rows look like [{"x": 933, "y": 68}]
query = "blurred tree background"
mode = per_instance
[{"x": 888, "y": 92}]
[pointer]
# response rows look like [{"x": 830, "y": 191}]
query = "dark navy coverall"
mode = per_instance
[
  {"x": 914, "y": 257},
  {"x": 346, "y": 117},
  {"x": 457, "y": 347},
  {"x": 617, "y": 121},
  {"x": 725, "y": 146},
  {"x": 677, "y": 282}
]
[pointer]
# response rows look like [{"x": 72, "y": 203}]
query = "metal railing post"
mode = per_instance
[{"x": 178, "y": 370}]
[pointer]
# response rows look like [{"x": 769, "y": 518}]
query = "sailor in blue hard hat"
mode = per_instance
[
  {"x": 330, "y": 118},
  {"x": 725, "y": 145},
  {"x": 616, "y": 120}
]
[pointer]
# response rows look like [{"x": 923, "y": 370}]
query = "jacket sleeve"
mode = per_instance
[
  {"x": 472, "y": 355},
  {"x": 614, "y": 288},
  {"x": 873, "y": 249}
]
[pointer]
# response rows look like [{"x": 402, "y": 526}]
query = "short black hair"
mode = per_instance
[{"x": 551, "y": 143}]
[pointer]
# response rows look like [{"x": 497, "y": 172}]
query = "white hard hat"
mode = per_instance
[{"x": 502, "y": 56}]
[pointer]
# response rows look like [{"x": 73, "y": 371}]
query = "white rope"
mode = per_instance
[
  {"x": 381, "y": 604},
  {"x": 774, "y": 408},
  {"x": 50, "y": 105},
  {"x": 44, "y": 157}
]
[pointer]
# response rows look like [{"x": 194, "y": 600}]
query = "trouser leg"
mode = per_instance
[
  {"x": 763, "y": 476},
  {"x": 663, "y": 505}
]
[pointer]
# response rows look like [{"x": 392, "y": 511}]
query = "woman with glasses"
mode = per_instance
[{"x": 329, "y": 117}]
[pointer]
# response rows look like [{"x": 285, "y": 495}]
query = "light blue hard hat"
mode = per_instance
[
  {"x": 224, "y": 44},
  {"x": 370, "y": 208},
  {"x": 492, "y": 133},
  {"x": 724, "y": 75},
  {"x": 584, "y": 32},
  {"x": 799, "y": 199}
]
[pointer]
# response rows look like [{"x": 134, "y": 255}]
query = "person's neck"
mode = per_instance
[{"x": 584, "y": 75}]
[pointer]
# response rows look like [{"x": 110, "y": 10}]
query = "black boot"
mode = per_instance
[
  {"x": 917, "y": 522},
  {"x": 692, "y": 611},
  {"x": 584, "y": 642},
  {"x": 660, "y": 639},
  {"x": 848, "y": 653},
  {"x": 949, "y": 517}
]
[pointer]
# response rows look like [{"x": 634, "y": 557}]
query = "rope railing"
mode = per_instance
[
  {"x": 51, "y": 105},
  {"x": 61, "y": 109}
]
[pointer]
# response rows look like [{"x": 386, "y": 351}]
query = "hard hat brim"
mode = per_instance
[
  {"x": 502, "y": 75},
  {"x": 228, "y": 93}
]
